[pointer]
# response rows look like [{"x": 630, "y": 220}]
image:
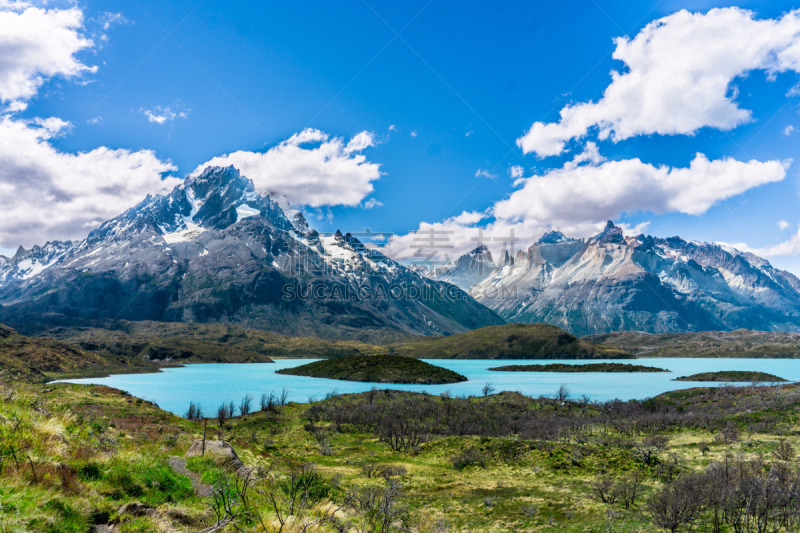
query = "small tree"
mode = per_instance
[
  {"x": 784, "y": 451},
  {"x": 680, "y": 503},
  {"x": 195, "y": 412},
  {"x": 283, "y": 399},
  {"x": 231, "y": 409},
  {"x": 487, "y": 389},
  {"x": 562, "y": 395},
  {"x": 244, "y": 405},
  {"x": 222, "y": 414}
]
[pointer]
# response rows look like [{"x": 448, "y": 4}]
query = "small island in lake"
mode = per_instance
[
  {"x": 377, "y": 369},
  {"x": 592, "y": 367},
  {"x": 733, "y": 375}
]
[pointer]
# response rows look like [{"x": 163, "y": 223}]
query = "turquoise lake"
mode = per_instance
[{"x": 211, "y": 384}]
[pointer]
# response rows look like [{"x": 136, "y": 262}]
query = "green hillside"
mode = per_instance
[
  {"x": 204, "y": 343},
  {"x": 377, "y": 369},
  {"x": 509, "y": 341},
  {"x": 37, "y": 359}
]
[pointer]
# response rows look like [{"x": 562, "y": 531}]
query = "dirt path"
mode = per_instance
[{"x": 179, "y": 466}]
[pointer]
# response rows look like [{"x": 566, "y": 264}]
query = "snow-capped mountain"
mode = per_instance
[
  {"x": 611, "y": 283},
  {"x": 27, "y": 263},
  {"x": 215, "y": 250},
  {"x": 468, "y": 270}
]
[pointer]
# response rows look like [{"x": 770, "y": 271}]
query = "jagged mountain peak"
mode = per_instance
[
  {"x": 611, "y": 234},
  {"x": 610, "y": 283},
  {"x": 554, "y": 237}
]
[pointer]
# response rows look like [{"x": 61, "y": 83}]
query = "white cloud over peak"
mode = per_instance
[
  {"x": 310, "y": 168},
  {"x": 45, "y": 193},
  {"x": 38, "y": 44},
  {"x": 606, "y": 190},
  {"x": 579, "y": 197},
  {"x": 679, "y": 78}
]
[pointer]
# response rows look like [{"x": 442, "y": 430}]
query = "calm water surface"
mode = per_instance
[{"x": 211, "y": 384}]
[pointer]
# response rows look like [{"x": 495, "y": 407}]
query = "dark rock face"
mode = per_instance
[
  {"x": 616, "y": 283},
  {"x": 214, "y": 250}
]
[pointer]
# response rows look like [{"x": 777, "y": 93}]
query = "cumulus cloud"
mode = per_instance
[
  {"x": 679, "y": 78},
  {"x": 96, "y": 121},
  {"x": 161, "y": 115},
  {"x": 788, "y": 130},
  {"x": 480, "y": 173},
  {"x": 413, "y": 133},
  {"x": 38, "y": 44},
  {"x": 782, "y": 224},
  {"x": 310, "y": 168},
  {"x": 580, "y": 196},
  {"x": 46, "y": 194},
  {"x": 599, "y": 191}
]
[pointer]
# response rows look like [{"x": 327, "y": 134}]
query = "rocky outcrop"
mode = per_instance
[
  {"x": 218, "y": 448},
  {"x": 615, "y": 283}
]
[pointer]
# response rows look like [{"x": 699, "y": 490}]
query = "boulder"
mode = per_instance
[
  {"x": 214, "y": 447},
  {"x": 136, "y": 509}
]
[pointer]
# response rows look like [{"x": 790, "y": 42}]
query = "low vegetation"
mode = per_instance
[
  {"x": 590, "y": 367},
  {"x": 77, "y": 457},
  {"x": 744, "y": 376},
  {"x": 377, "y": 369}
]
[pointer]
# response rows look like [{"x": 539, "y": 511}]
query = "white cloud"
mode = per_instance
[
  {"x": 392, "y": 127},
  {"x": 578, "y": 198},
  {"x": 310, "y": 168},
  {"x": 678, "y": 78},
  {"x": 38, "y": 44},
  {"x": 46, "y": 194},
  {"x": 109, "y": 19},
  {"x": 95, "y": 121},
  {"x": 480, "y": 173},
  {"x": 607, "y": 190},
  {"x": 633, "y": 231},
  {"x": 161, "y": 115},
  {"x": 469, "y": 134},
  {"x": 788, "y": 130},
  {"x": 413, "y": 133},
  {"x": 372, "y": 202},
  {"x": 782, "y": 224},
  {"x": 516, "y": 171},
  {"x": 787, "y": 247}
]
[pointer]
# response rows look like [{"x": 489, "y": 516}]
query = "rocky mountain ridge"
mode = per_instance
[
  {"x": 214, "y": 250},
  {"x": 615, "y": 283}
]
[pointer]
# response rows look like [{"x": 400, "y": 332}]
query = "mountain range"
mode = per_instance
[
  {"x": 214, "y": 250},
  {"x": 610, "y": 282}
]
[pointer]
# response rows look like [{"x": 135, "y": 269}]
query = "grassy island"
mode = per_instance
[
  {"x": 591, "y": 367},
  {"x": 377, "y": 369},
  {"x": 733, "y": 375}
]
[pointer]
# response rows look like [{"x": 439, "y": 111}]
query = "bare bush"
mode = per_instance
[
  {"x": 195, "y": 411},
  {"x": 245, "y": 405}
]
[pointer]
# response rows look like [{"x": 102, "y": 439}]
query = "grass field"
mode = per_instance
[{"x": 73, "y": 456}]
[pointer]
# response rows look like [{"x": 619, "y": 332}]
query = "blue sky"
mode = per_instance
[{"x": 466, "y": 79}]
